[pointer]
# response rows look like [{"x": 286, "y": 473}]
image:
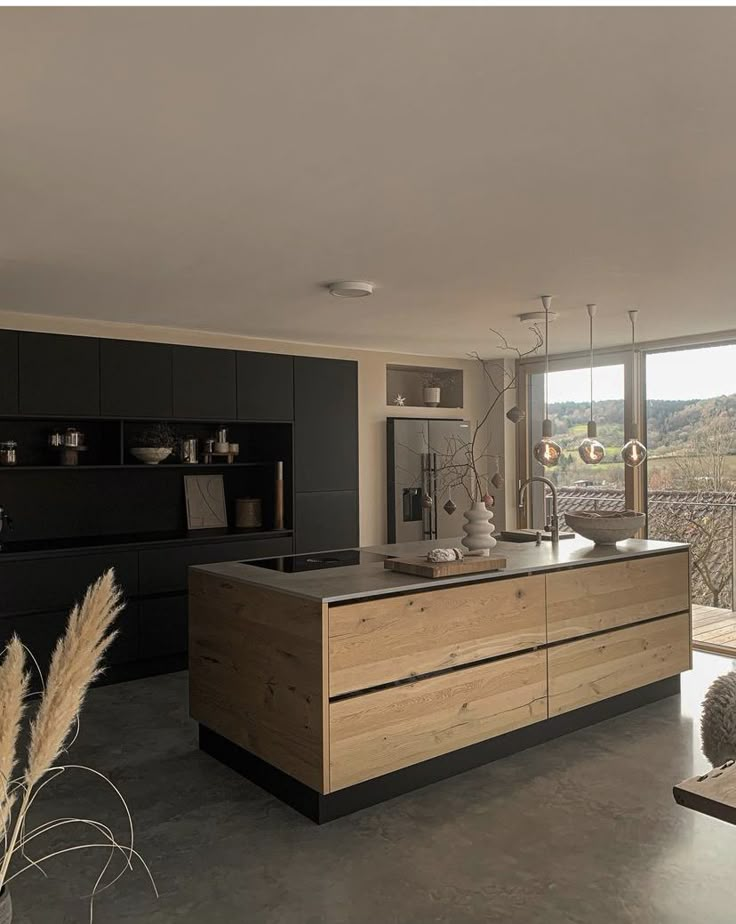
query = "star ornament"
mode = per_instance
[{"x": 399, "y": 401}]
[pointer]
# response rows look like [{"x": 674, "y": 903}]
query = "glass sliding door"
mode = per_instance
[
  {"x": 602, "y": 486},
  {"x": 691, "y": 476}
]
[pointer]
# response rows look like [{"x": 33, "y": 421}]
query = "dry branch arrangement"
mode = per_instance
[{"x": 75, "y": 664}]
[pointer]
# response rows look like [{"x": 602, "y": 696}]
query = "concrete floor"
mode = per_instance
[{"x": 582, "y": 830}]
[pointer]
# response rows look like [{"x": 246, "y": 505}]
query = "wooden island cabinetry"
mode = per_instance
[{"x": 338, "y": 688}]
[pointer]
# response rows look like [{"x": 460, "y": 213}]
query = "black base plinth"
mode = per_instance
[{"x": 322, "y": 808}]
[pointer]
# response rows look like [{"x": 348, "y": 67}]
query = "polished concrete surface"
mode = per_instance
[{"x": 582, "y": 830}]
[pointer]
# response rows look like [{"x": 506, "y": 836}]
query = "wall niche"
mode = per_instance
[{"x": 424, "y": 386}]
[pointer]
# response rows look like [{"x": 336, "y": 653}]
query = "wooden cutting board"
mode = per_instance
[{"x": 419, "y": 566}]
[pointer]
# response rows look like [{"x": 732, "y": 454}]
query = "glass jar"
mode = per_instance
[{"x": 8, "y": 452}]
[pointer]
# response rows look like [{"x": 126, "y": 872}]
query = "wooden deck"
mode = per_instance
[{"x": 714, "y": 629}]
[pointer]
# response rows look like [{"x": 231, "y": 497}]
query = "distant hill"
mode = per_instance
[{"x": 671, "y": 425}]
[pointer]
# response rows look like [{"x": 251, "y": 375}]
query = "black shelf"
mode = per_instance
[{"x": 138, "y": 465}]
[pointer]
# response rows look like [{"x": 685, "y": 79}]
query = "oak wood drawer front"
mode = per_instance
[
  {"x": 590, "y": 669},
  {"x": 388, "y": 729},
  {"x": 379, "y": 641},
  {"x": 586, "y": 600}
]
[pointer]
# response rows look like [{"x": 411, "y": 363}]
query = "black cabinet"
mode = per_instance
[
  {"x": 326, "y": 520},
  {"x": 135, "y": 379},
  {"x": 325, "y": 424},
  {"x": 32, "y": 585},
  {"x": 164, "y": 627},
  {"x": 204, "y": 383},
  {"x": 58, "y": 375},
  {"x": 8, "y": 372},
  {"x": 165, "y": 570},
  {"x": 265, "y": 386}
]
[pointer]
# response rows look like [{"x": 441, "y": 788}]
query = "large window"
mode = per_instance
[{"x": 602, "y": 486}]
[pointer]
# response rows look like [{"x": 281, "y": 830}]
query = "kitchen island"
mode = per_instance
[{"x": 336, "y": 684}]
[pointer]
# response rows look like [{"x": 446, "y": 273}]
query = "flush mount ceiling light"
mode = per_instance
[
  {"x": 349, "y": 288},
  {"x": 591, "y": 450},
  {"x": 547, "y": 452}
]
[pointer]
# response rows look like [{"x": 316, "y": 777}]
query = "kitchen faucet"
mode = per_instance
[{"x": 553, "y": 525}]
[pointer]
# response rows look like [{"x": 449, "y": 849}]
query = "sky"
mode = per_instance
[{"x": 699, "y": 373}]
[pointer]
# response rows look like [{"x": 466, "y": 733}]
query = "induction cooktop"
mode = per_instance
[{"x": 291, "y": 564}]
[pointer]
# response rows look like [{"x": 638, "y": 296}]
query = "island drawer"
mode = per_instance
[
  {"x": 585, "y": 600},
  {"x": 590, "y": 669},
  {"x": 379, "y": 732},
  {"x": 394, "y": 638}
]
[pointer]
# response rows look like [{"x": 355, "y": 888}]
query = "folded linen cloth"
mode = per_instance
[{"x": 445, "y": 555}]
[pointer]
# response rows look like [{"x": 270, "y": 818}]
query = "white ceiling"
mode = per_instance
[{"x": 211, "y": 168}]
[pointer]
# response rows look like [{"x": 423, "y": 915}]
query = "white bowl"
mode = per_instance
[
  {"x": 149, "y": 455},
  {"x": 605, "y": 528}
]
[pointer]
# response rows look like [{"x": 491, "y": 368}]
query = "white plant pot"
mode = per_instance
[
  {"x": 431, "y": 396},
  {"x": 478, "y": 529}
]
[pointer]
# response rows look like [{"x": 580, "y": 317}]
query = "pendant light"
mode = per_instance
[
  {"x": 591, "y": 450},
  {"x": 634, "y": 452},
  {"x": 547, "y": 452}
]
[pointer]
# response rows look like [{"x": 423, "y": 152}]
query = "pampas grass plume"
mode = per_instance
[
  {"x": 75, "y": 664},
  {"x": 13, "y": 690}
]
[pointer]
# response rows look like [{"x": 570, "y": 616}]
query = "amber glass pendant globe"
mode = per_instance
[
  {"x": 633, "y": 453},
  {"x": 591, "y": 450},
  {"x": 547, "y": 452}
]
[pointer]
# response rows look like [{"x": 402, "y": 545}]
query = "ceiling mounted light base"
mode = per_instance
[
  {"x": 533, "y": 317},
  {"x": 348, "y": 288}
]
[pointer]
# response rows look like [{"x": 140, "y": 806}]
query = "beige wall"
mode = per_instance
[{"x": 372, "y": 397}]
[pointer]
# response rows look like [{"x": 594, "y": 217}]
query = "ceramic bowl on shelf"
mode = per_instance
[
  {"x": 605, "y": 528},
  {"x": 149, "y": 455}
]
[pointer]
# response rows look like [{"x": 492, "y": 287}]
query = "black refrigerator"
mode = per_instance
[{"x": 416, "y": 484}]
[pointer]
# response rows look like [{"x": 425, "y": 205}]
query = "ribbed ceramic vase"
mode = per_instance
[
  {"x": 6, "y": 907},
  {"x": 478, "y": 528}
]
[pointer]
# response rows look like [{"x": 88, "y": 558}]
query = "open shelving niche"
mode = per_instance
[
  {"x": 113, "y": 487},
  {"x": 409, "y": 381}
]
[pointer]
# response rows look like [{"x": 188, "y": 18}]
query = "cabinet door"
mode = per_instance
[
  {"x": 585, "y": 600},
  {"x": 265, "y": 386},
  {"x": 590, "y": 669},
  {"x": 59, "y": 375},
  {"x": 204, "y": 383},
  {"x": 135, "y": 379},
  {"x": 8, "y": 372},
  {"x": 163, "y": 627},
  {"x": 325, "y": 424},
  {"x": 376, "y": 733},
  {"x": 325, "y": 521},
  {"x": 376, "y": 642},
  {"x": 165, "y": 570}
]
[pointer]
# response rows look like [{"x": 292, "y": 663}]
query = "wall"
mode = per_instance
[{"x": 371, "y": 392}]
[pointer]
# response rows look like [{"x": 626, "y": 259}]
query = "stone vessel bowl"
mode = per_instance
[{"x": 606, "y": 528}]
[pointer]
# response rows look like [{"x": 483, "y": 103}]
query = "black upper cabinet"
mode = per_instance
[
  {"x": 204, "y": 383},
  {"x": 8, "y": 372},
  {"x": 325, "y": 424},
  {"x": 59, "y": 375},
  {"x": 326, "y": 520},
  {"x": 135, "y": 379},
  {"x": 265, "y": 386}
]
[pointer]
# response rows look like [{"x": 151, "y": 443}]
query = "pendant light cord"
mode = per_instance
[
  {"x": 634, "y": 377},
  {"x": 546, "y": 362},
  {"x": 591, "y": 362}
]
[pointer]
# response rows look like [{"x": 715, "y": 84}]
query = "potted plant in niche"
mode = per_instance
[
  {"x": 432, "y": 390},
  {"x": 153, "y": 444},
  {"x": 75, "y": 664}
]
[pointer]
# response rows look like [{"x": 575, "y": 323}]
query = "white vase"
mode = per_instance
[
  {"x": 478, "y": 529},
  {"x": 431, "y": 396}
]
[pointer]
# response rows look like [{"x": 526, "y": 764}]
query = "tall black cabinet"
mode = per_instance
[{"x": 326, "y": 453}]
